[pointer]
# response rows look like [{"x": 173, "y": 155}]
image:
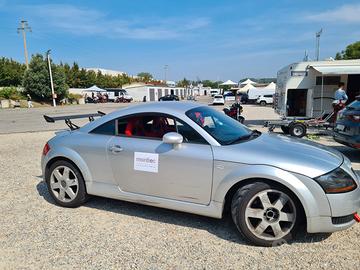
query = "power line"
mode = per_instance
[{"x": 24, "y": 26}]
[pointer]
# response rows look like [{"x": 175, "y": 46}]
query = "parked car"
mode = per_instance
[
  {"x": 192, "y": 158},
  {"x": 229, "y": 96},
  {"x": 169, "y": 98},
  {"x": 347, "y": 128},
  {"x": 218, "y": 100},
  {"x": 214, "y": 92},
  {"x": 254, "y": 93},
  {"x": 264, "y": 100}
]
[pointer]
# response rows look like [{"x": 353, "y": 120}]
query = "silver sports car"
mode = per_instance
[{"x": 192, "y": 158}]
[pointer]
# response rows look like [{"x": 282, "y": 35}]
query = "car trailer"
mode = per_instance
[{"x": 298, "y": 126}]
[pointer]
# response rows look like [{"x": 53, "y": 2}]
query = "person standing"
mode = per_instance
[
  {"x": 29, "y": 101},
  {"x": 340, "y": 94},
  {"x": 340, "y": 101}
]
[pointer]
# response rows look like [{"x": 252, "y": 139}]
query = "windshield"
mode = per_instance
[
  {"x": 355, "y": 105},
  {"x": 221, "y": 127}
]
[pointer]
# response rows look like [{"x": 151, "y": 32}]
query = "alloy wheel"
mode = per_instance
[
  {"x": 64, "y": 183},
  {"x": 270, "y": 214}
]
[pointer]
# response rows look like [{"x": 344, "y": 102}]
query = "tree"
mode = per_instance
[
  {"x": 37, "y": 81},
  {"x": 145, "y": 76},
  {"x": 183, "y": 83},
  {"x": 11, "y": 72},
  {"x": 352, "y": 51}
]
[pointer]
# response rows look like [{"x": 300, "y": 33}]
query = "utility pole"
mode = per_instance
[
  {"x": 165, "y": 70},
  {"x": 51, "y": 79},
  {"x": 318, "y": 34},
  {"x": 24, "y": 26}
]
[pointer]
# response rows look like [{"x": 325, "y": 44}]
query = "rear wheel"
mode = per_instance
[
  {"x": 66, "y": 184},
  {"x": 262, "y": 103},
  {"x": 297, "y": 130},
  {"x": 265, "y": 215}
]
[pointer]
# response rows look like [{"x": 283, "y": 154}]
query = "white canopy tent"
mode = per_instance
[
  {"x": 229, "y": 83},
  {"x": 271, "y": 86},
  {"x": 94, "y": 88},
  {"x": 248, "y": 81}
]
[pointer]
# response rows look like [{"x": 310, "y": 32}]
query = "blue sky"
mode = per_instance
[{"x": 205, "y": 39}]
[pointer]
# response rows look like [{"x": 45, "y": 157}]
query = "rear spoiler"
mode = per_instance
[{"x": 68, "y": 118}]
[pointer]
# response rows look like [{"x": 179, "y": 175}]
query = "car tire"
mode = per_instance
[
  {"x": 265, "y": 220},
  {"x": 297, "y": 130},
  {"x": 262, "y": 103},
  {"x": 66, "y": 184},
  {"x": 285, "y": 129}
]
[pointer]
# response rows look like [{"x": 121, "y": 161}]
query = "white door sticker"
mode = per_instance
[{"x": 146, "y": 162}]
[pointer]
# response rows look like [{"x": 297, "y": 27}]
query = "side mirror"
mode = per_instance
[{"x": 173, "y": 138}]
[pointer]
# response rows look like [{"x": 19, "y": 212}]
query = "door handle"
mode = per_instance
[{"x": 115, "y": 149}]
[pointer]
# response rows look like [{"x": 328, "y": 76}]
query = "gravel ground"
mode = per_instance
[{"x": 110, "y": 234}]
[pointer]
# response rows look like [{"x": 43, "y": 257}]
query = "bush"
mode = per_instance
[
  {"x": 74, "y": 97},
  {"x": 10, "y": 93}
]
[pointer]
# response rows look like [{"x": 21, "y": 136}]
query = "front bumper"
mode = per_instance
[
  {"x": 350, "y": 140},
  {"x": 343, "y": 206}
]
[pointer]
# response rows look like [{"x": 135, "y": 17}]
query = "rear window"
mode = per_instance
[
  {"x": 218, "y": 96},
  {"x": 105, "y": 129}
]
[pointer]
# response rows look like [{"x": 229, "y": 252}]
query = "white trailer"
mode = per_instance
[
  {"x": 306, "y": 89},
  {"x": 305, "y": 93}
]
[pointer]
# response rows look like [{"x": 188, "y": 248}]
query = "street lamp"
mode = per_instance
[{"x": 51, "y": 79}]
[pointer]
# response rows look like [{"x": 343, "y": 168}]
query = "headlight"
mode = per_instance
[{"x": 337, "y": 181}]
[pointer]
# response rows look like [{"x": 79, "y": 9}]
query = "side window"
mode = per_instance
[
  {"x": 147, "y": 126},
  {"x": 189, "y": 134},
  {"x": 105, "y": 129}
]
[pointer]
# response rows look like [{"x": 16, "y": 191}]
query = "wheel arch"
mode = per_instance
[
  {"x": 308, "y": 193},
  {"x": 230, "y": 193},
  {"x": 72, "y": 157}
]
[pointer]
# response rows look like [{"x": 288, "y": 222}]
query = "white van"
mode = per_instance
[
  {"x": 255, "y": 93},
  {"x": 115, "y": 93},
  {"x": 214, "y": 92}
]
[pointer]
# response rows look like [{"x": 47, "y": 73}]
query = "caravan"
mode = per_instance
[{"x": 307, "y": 89}]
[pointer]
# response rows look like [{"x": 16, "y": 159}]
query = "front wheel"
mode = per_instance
[
  {"x": 265, "y": 215},
  {"x": 66, "y": 184}
]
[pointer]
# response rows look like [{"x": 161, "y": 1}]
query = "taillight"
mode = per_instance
[
  {"x": 46, "y": 149},
  {"x": 354, "y": 118}
]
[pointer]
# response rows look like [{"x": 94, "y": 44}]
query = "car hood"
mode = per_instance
[{"x": 290, "y": 154}]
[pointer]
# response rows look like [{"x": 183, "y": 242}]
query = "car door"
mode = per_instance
[{"x": 143, "y": 164}]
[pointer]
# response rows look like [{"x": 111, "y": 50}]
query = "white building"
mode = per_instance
[
  {"x": 106, "y": 71},
  {"x": 308, "y": 88},
  {"x": 154, "y": 92}
]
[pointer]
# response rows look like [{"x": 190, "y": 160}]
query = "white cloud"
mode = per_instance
[
  {"x": 83, "y": 21},
  {"x": 344, "y": 14}
]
